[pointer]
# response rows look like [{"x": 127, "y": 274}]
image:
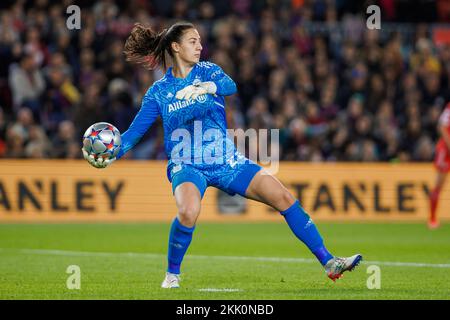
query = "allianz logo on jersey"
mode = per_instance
[
  {"x": 186, "y": 103},
  {"x": 180, "y": 104}
]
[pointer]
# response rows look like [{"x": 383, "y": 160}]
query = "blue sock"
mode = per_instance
[
  {"x": 304, "y": 228},
  {"x": 179, "y": 239}
]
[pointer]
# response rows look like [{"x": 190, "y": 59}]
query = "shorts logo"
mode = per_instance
[
  {"x": 176, "y": 168},
  {"x": 232, "y": 163}
]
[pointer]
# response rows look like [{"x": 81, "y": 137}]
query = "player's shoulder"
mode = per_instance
[
  {"x": 160, "y": 83},
  {"x": 157, "y": 86},
  {"x": 209, "y": 69},
  {"x": 206, "y": 65}
]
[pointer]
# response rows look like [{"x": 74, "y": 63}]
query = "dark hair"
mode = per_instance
[{"x": 148, "y": 48}]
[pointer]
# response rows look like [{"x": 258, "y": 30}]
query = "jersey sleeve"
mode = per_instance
[
  {"x": 225, "y": 85},
  {"x": 142, "y": 122}
]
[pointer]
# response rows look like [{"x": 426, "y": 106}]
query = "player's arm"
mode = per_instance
[
  {"x": 443, "y": 130},
  {"x": 217, "y": 83},
  {"x": 142, "y": 122},
  {"x": 225, "y": 86},
  {"x": 443, "y": 124}
]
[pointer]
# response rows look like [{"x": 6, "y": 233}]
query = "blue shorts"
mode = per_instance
[{"x": 233, "y": 179}]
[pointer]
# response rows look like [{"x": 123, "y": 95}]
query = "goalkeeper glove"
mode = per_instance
[
  {"x": 99, "y": 163},
  {"x": 194, "y": 90}
]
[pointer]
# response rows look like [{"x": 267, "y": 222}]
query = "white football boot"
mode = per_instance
[
  {"x": 171, "y": 281},
  {"x": 337, "y": 266}
]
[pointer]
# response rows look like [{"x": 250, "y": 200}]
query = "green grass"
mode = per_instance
[{"x": 108, "y": 273}]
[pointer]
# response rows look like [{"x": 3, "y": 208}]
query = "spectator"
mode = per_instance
[
  {"x": 2, "y": 133},
  {"x": 336, "y": 90},
  {"x": 38, "y": 145},
  {"x": 27, "y": 83},
  {"x": 63, "y": 140}
]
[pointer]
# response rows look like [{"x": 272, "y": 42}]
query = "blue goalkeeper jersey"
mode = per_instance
[{"x": 199, "y": 123}]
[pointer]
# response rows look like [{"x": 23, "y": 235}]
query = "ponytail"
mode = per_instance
[
  {"x": 143, "y": 47},
  {"x": 148, "y": 48}
]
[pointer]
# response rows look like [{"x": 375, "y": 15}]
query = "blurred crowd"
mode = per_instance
[{"x": 336, "y": 90}]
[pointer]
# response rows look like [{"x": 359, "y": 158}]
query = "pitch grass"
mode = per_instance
[{"x": 41, "y": 273}]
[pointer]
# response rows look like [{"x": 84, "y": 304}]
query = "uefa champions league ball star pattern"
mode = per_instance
[{"x": 102, "y": 139}]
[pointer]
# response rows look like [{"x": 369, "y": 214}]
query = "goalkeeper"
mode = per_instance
[{"x": 191, "y": 92}]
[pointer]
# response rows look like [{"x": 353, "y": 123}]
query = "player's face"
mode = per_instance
[{"x": 190, "y": 47}]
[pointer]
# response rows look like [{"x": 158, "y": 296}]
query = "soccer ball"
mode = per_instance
[{"x": 102, "y": 139}]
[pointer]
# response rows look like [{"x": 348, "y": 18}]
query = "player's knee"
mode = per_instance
[
  {"x": 188, "y": 214},
  {"x": 284, "y": 199}
]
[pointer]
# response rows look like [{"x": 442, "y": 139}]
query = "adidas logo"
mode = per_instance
[
  {"x": 176, "y": 245},
  {"x": 309, "y": 223}
]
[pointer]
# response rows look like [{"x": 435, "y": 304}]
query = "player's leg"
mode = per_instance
[
  {"x": 442, "y": 165},
  {"x": 188, "y": 188},
  {"x": 267, "y": 189},
  {"x": 434, "y": 199},
  {"x": 188, "y": 201}
]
